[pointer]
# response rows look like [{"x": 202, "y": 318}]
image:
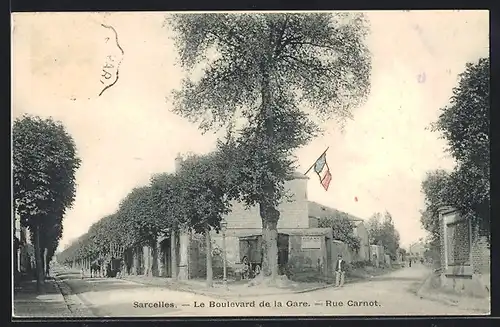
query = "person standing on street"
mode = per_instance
[{"x": 339, "y": 271}]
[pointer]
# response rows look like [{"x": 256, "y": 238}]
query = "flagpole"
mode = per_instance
[{"x": 316, "y": 160}]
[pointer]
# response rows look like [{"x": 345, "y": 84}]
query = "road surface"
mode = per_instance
[{"x": 384, "y": 295}]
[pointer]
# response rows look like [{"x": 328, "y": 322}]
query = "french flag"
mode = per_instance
[{"x": 321, "y": 168}]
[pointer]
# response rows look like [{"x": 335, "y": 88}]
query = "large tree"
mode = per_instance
[
  {"x": 465, "y": 124},
  {"x": 266, "y": 68},
  {"x": 44, "y": 166}
]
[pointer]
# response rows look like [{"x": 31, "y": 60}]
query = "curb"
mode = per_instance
[
  {"x": 231, "y": 295},
  {"x": 76, "y": 305},
  {"x": 68, "y": 306}
]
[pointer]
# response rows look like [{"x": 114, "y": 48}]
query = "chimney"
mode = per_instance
[{"x": 178, "y": 162}]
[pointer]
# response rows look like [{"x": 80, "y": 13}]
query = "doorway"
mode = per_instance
[
  {"x": 283, "y": 243},
  {"x": 166, "y": 258}
]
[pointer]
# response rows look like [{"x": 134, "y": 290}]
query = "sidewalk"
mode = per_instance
[
  {"x": 49, "y": 302},
  {"x": 427, "y": 290}
]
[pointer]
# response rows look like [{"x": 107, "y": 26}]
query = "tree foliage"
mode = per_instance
[
  {"x": 139, "y": 215},
  {"x": 44, "y": 167},
  {"x": 436, "y": 189},
  {"x": 465, "y": 125},
  {"x": 382, "y": 232},
  {"x": 203, "y": 190},
  {"x": 193, "y": 198},
  {"x": 265, "y": 68},
  {"x": 343, "y": 229}
]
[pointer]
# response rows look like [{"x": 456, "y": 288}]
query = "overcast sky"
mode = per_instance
[{"x": 129, "y": 133}]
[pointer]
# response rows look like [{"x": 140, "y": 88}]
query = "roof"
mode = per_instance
[
  {"x": 317, "y": 210},
  {"x": 297, "y": 175}
]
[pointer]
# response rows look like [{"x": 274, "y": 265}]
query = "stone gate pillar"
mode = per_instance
[{"x": 183, "y": 255}]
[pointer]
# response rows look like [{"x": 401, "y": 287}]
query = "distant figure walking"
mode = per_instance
[
  {"x": 339, "y": 271},
  {"x": 82, "y": 273},
  {"x": 409, "y": 263}
]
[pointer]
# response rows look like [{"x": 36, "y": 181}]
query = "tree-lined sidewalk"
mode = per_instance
[
  {"x": 44, "y": 164},
  {"x": 48, "y": 301}
]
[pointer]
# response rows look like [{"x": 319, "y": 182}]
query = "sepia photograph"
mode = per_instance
[{"x": 250, "y": 163}]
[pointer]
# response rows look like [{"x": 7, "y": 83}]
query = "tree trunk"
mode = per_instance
[
  {"x": 173, "y": 247},
  {"x": 270, "y": 218},
  {"x": 160, "y": 261},
  {"x": 135, "y": 265},
  {"x": 40, "y": 278},
  {"x": 268, "y": 213},
  {"x": 155, "y": 250},
  {"x": 46, "y": 262},
  {"x": 42, "y": 255},
  {"x": 208, "y": 241}
]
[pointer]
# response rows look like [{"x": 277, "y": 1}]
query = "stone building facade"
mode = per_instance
[
  {"x": 302, "y": 247},
  {"x": 465, "y": 255},
  {"x": 318, "y": 211},
  {"x": 22, "y": 258}
]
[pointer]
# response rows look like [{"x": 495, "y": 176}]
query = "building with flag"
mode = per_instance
[
  {"x": 302, "y": 248},
  {"x": 323, "y": 171}
]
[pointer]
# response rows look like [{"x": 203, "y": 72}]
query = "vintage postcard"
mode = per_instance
[{"x": 210, "y": 164}]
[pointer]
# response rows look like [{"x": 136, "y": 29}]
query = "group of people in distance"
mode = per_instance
[{"x": 247, "y": 271}]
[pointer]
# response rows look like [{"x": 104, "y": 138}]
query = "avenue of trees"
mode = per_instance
[
  {"x": 277, "y": 73},
  {"x": 193, "y": 199},
  {"x": 464, "y": 123},
  {"x": 280, "y": 74},
  {"x": 44, "y": 166}
]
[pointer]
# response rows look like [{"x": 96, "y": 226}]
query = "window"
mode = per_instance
[{"x": 458, "y": 243}]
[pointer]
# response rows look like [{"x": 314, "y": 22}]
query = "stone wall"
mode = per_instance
[
  {"x": 377, "y": 254},
  {"x": 363, "y": 253},
  {"x": 232, "y": 248},
  {"x": 306, "y": 260},
  {"x": 294, "y": 214},
  {"x": 442, "y": 242},
  {"x": 481, "y": 255},
  {"x": 197, "y": 256}
]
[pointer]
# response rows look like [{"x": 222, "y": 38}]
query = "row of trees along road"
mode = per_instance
[
  {"x": 193, "y": 199},
  {"x": 44, "y": 166},
  {"x": 265, "y": 68},
  {"x": 465, "y": 124}
]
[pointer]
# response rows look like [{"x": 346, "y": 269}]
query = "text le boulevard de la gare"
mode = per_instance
[
  {"x": 289, "y": 304},
  {"x": 261, "y": 304}
]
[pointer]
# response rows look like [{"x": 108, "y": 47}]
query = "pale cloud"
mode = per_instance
[{"x": 129, "y": 133}]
